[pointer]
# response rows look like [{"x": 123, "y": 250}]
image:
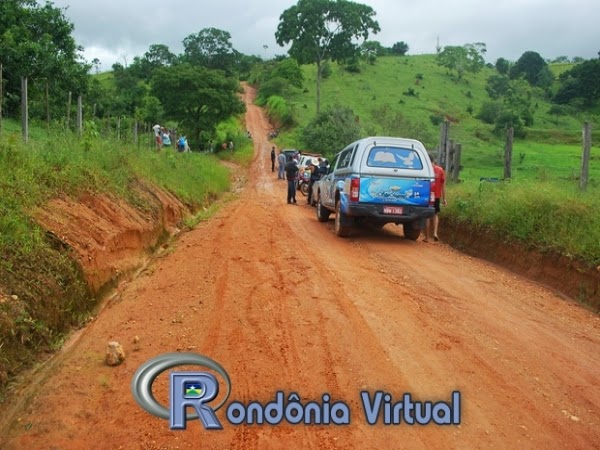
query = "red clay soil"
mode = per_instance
[
  {"x": 110, "y": 237},
  {"x": 570, "y": 277},
  {"x": 283, "y": 304}
]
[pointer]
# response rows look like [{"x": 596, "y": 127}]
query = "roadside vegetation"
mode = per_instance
[{"x": 42, "y": 293}]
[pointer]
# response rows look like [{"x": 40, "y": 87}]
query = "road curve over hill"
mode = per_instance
[{"x": 284, "y": 305}]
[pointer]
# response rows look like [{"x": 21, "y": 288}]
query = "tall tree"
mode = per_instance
[
  {"x": 400, "y": 48},
  {"x": 373, "y": 48},
  {"x": 580, "y": 84},
  {"x": 502, "y": 66},
  {"x": 197, "y": 97},
  {"x": 325, "y": 30},
  {"x": 529, "y": 65},
  {"x": 211, "y": 48},
  {"x": 468, "y": 58},
  {"x": 36, "y": 41},
  {"x": 159, "y": 55}
]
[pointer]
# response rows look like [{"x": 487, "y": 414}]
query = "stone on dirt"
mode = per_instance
[{"x": 115, "y": 354}]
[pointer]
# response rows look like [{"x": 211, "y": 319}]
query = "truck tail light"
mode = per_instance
[
  {"x": 432, "y": 193},
  {"x": 354, "y": 189}
]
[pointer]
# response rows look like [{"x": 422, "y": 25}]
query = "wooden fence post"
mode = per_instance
[
  {"x": 80, "y": 116},
  {"x": 47, "y": 106},
  {"x": 508, "y": 150},
  {"x": 449, "y": 157},
  {"x": 585, "y": 159},
  {"x": 1, "y": 97},
  {"x": 456, "y": 163},
  {"x": 24, "y": 110},
  {"x": 443, "y": 149},
  {"x": 69, "y": 109}
]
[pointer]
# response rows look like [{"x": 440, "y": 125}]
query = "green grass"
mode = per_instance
[
  {"x": 548, "y": 216},
  {"x": 50, "y": 294},
  {"x": 438, "y": 93}
]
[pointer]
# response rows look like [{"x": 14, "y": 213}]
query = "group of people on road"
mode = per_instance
[
  {"x": 318, "y": 167},
  {"x": 164, "y": 137},
  {"x": 290, "y": 171}
]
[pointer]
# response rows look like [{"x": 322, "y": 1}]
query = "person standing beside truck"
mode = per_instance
[
  {"x": 281, "y": 160},
  {"x": 291, "y": 171},
  {"x": 313, "y": 167},
  {"x": 439, "y": 190}
]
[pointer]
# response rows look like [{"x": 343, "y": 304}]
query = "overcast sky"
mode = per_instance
[{"x": 118, "y": 30}]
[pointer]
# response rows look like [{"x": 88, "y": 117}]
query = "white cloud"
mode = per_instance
[{"x": 112, "y": 29}]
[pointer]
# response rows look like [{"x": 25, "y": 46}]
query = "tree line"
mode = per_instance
[{"x": 197, "y": 88}]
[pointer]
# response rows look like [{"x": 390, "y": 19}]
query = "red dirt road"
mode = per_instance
[{"x": 283, "y": 304}]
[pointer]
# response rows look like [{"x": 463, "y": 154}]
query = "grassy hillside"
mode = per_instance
[
  {"x": 541, "y": 206},
  {"x": 552, "y": 149}
]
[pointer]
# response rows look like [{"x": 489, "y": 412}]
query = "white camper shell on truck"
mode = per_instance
[{"x": 378, "y": 180}]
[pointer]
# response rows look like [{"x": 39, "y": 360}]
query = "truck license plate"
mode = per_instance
[{"x": 392, "y": 210}]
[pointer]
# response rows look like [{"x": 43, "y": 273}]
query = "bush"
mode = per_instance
[
  {"x": 436, "y": 119},
  {"x": 489, "y": 112},
  {"x": 326, "y": 71},
  {"x": 562, "y": 110},
  {"x": 280, "y": 111},
  {"x": 274, "y": 87},
  {"x": 394, "y": 123},
  {"x": 353, "y": 65},
  {"x": 331, "y": 130},
  {"x": 509, "y": 119}
]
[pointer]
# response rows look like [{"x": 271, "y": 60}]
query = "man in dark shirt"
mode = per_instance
[
  {"x": 273, "y": 159},
  {"x": 291, "y": 171}
]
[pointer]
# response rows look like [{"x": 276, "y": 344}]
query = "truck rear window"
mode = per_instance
[{"x": 394, "y": 158}]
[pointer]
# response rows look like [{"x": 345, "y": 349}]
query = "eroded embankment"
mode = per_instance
[
  {"x": 108, "y": 236},
  {"x": 570, "y": 277},
  {"x": 92, "y": 241}
]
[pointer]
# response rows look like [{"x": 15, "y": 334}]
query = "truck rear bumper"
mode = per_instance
[{"x": 375, "y": 212}]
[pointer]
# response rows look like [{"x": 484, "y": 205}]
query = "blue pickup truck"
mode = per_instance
[{"x": 378, "y": 180}]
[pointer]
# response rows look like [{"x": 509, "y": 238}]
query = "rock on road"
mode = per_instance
[{"x": 283, "y": 304}]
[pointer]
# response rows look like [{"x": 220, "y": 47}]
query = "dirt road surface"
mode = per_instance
[{"x": 283, "y": 304}]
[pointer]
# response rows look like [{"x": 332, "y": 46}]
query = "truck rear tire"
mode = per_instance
[
  {"x": 412, "y": 230},
  {"x": 322, "y": 212},
  {"x": 340, "y": 230}
]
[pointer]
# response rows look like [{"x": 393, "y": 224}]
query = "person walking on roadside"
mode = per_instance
[
  {"x": 273, "y": 159},
  {"x": 291, "y": 171},
  {"x": 281, "y": 165},
  {"x": 439, "y": 190}
]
